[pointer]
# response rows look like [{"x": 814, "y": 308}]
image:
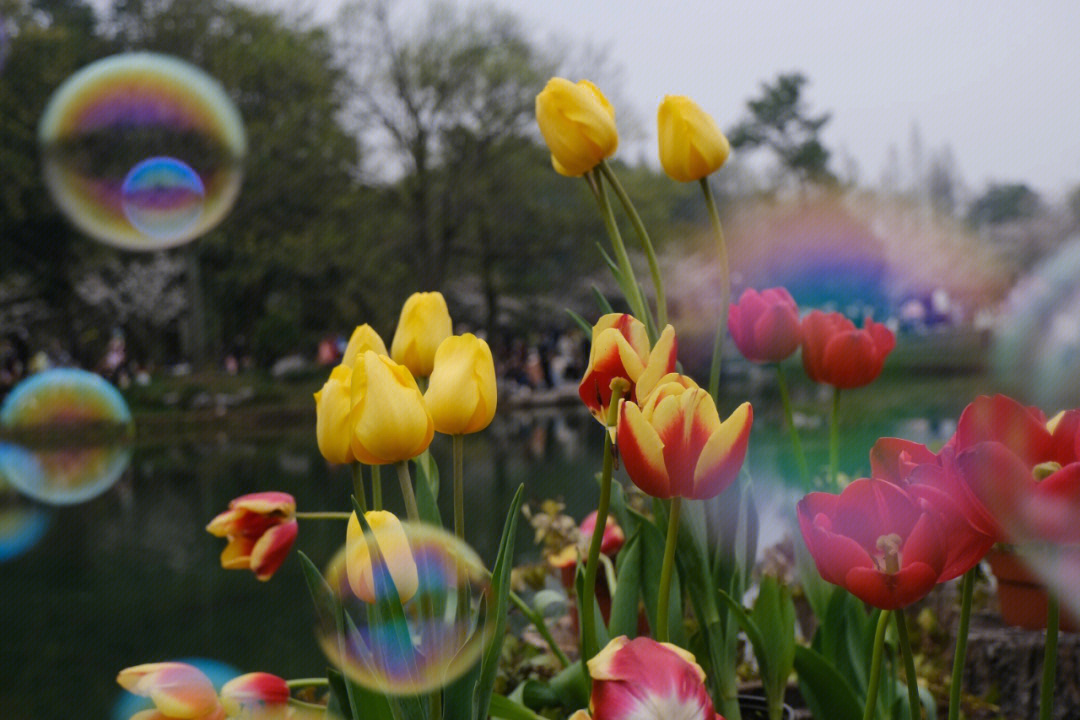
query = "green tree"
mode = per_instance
[
  {"x": 1003, "y": 202},
  {"x": 781, "y": 122}
]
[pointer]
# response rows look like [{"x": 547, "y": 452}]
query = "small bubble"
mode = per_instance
[
  {"x": 428, "y": 641},
  {"x": 162, "y": 197}
]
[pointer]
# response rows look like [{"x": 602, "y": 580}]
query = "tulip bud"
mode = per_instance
[
  {"x": 765, "y": 326},
  {"x": 691, "y": 145},
  {"x": 674, "y": 444},
  {"x": 837, "y": 354},
  {"x": 256, "y": 696},
  {"x": 461, "y": 394},
  {"x": 578, "y": 125},
  {"x": 260, "y": 528},
  {"x": 363, "y": 338},
  {"x": 179, "y": 691},
  {"x": 388, "y": 421},
  {"x": 332, "y": 407},
  {"x": 424, "y": 323},
  {"x": 389, "y": 535}
]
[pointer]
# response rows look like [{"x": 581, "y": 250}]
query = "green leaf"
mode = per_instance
[
  {"x": 602, "y": 301},
  {"x": 825, "y": 689},
  {"x": 427, "y": 472},
  {"x": 500, "y": 592},
  {"x": 774, "y": 614},
  {"x": 571, "y": 686},
  {"x": 624, "y": 605},
  {"x": 582, "y": 322},
  {"x": 365, "y": 704},
  {"x": 325, "y": 603},
  {"x": 602, "y": 636},
  {"x": 503, "y": 707},
  {"x": 753, "y": 632},
  {"x": 338, "y": 706},
  {"x": 427, "y": 498}
]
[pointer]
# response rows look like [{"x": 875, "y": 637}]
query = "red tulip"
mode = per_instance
[
  {"x": 675, "y": 445},
  {"x": 876, "y": 541},
  {"x": 620, "y": 348},
  {"x": 920, "y": 472},
  {"x": 834, "y": 352},
  {"x": 566, "y": 559},
  {"x": 642, "y": 679},
  {"x": 765, "y": 326},
  {"x": 261, "y": 529}
]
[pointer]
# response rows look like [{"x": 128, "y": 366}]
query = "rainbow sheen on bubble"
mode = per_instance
[
  {"x": 162, "y": 198},
  {"x": 21, "y": 528},
  {"x": 109, "y": 119},
  {"x": 439, "y": 633},
  {"x": 66, "y": 432}
]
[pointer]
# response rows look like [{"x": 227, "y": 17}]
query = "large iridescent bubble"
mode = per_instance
[
  {"x": 142, "y": 151},
  {"x": 428, "y": 641},
  {"x": 65, "y": 436},
  {"x": 1037, "y": 336}
]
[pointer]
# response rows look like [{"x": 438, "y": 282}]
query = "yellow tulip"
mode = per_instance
[
  {"x": 691, "y": 145},
  {"x": 388, "y": 422},
  {"x": 393, "y": 545},
  {"x": 363, "y": 338},
  {"x": 578, "y": 125},
  {"x": 332, "y": 407},
  {"x": 461, "y": 394},
  {"x": 424, "y": 323}
]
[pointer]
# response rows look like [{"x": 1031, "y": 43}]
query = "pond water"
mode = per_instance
[{"x": 130, "y": 576}]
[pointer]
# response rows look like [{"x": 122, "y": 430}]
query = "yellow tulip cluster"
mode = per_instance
[
  {"x": 371, "y": 409},
  {"x": 578, "y": 125}
]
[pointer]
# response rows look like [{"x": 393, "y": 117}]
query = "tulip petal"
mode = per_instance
[
  {"x": 1002, "y": 419},
  {"x": 964, "y": 545},
  {"x": 272, "y": 548},
  {"x": 224, "y": 523},
  {"x": 257, "y": 695},
  {"x": 850, "y": 360},
  {"x": 994, "y": 484},
  {"x": 776, "y": 333},
  {"x": 237, "y": 554},
  {"x": 661, "y": 362},
  {"x": 834, "y": 555},
  {"x": 723, "y": 454},
  {"x": 893, "y": 459},
  {"x": 390, "y": 422},
  {"x": 180, "y": 691},
  {"x": 891, "y": 591},
  {"x": 642, "y": 452},
  {"x": 868, "y": 509}
]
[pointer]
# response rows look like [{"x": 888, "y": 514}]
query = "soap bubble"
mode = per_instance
[
  {"x": 441, "y": 632},
  {"x": 142, "y": 151},
  {"x": 65, "y": 433},
  {"x": 162, "y": 197},
  {"x": 21, "y": 528}
]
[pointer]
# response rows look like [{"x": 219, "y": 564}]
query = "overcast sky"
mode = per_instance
[{"x": 999, "y": 82}]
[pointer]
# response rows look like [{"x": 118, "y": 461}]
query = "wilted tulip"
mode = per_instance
[
  {"x": 333, "y": 403},
  {"x": 874, "y": 540},
  {"x": 256, "y": 696},
  {"x": 578, "y": 125},
  {"x": 461, "y": 394},
  {"x": 389, "y": 421},
  {"x": 260, "y": 528},
  {"x": 765, "y": 325},
  {"x": 834, "y": 352},
  {"x": 642, "y": 679},
  {"x": 674, "y": 444},
  {"x": 620, "y": 348},
  {"x": 691, "y": 145},
  {"x": 363, "y": 338},
  {"x": 389, "y": 535},
  {"x": 424, "y": 323},
  {"x": 179, "y": 691}
]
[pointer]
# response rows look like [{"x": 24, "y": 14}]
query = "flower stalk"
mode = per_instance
[
  {"x": 785, "y": 398},
  {"x": 1046, "y": 694},
  {"x": 405, "y": 479},
  {"x": 875, "y": 665},
  {"x": 966, "y": 593},
  {"x": 834, "y": 438},
  {"x": 725, "y": 288},
  {"x": 666, "y": 570},
  {"x": 590, "y": 645},
  {"x": 909, "y": 664}
]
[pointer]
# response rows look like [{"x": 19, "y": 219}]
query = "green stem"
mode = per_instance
[
  {"x": 966, "y": 593},
  {"x": 630, "y": 285},
  {"x": 650, "y": 253},
  {"x": 834, "y": 438},
  {"x": 725, "y": 289},
  {"x": 306, "y": 705},
  {"x": 405, "y": 479},
  {"x": 541, "y": 627},
  {"x": 665, "y": 570},
  {"x": 590, "y": 645},
  {"x": 1053, "y": 617},
  {"x": 307, "y": 682},
  {"x": 376, "y": 487},
  {"x": 909, "y": 665},
  {"x": 875, "y": 666},
  {"x": 358, "y": 486},
  {"x": 458, "y": 443},
  {"x": 785, "y": 398},
  {"x": 323, "y": 515}
]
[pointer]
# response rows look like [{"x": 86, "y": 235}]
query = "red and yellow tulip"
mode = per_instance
[
  {"x": 178, "y": 691},
  {"x": 260, "y": 528},
  {"x": 256, "y": 696}
]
